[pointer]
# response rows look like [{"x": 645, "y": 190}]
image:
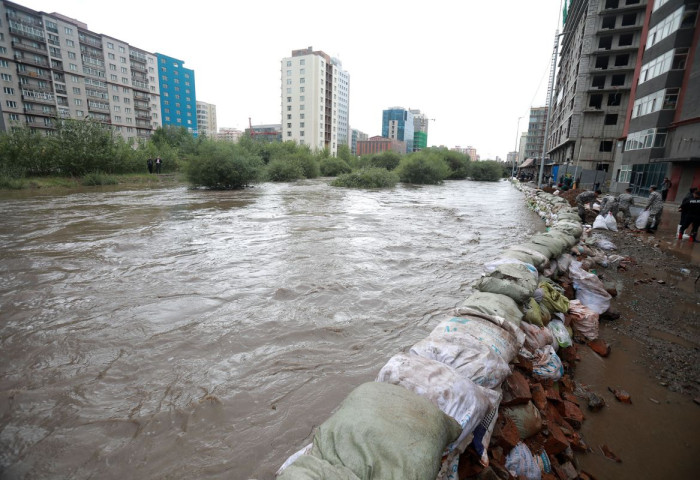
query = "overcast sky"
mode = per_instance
[{"x": 473, "y": 66}]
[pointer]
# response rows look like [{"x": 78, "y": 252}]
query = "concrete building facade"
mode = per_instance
[
  {"x": 397, "y": 124},
  {"x": 206, "y": 119},
  {"x": 535, "y": 132},
  {"x": 53, "y": 66},
  {"x": 229, "y": 134},
  {"x": 599, "y": 52},
  {"x": 420, "y": 130},
  {"x": 177, "y": 89},
  {"x": 379, "y": 144},
  {"x": 357, "y": 136},
  {"x": 315, "y": 95}
]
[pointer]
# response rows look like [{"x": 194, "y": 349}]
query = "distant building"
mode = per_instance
[
  {"x": 521, "y": 147},
  {"x": 229, "y": 134},
  {"x": 206, "y": 119},
  {"x": 379, "y": 144},
  {"x": 471, "y": 151},
  {"x": 512, "y": 158},
  {"x": 420, "y": 130},
  {"x": 178, "y": 99},
  {"x": 315, "y": 103},
  {"x": 268, "y": 133},
  {"x": 535, "y": 132},
  {"x": 357, "y": 136},
  {"x": 397, "y": 124}
]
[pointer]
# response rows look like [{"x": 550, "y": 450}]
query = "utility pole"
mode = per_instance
[
  {"x": 515, "y": 159},
  {"x": 550, "y": 91}
]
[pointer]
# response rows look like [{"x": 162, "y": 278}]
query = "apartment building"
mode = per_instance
[
  {"x": 662, "y": 131},
  {"x": 397, "y": 124},
  {"x": 535, "y": 132},
  {"x": 356, "y": 136},
  {"x": 206, "y": 119},
  {"x": 315, "y": 94},
  {"x": 53, "y": 66},
  {"x": 177, "y": 89},
  {"x": 379, "y": 144},
  {"x": 420, "y": 130},
  {"x": 599, "y": 51},
  {"x": 229, "y": 134}
]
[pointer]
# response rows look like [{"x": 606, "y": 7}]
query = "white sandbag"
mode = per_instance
[
  {"x": 293, "y": 457},
  {"x": 547, "y": 364},
  {"x": 455, "y": 395},
  {"x": 467, "y": 356},
  {"x": 642, "y": 220},
  {"x": 611, "y": 222},
  {"x": 600, "y": 223},
  {"x": 536, "y": 337},
  {"x": 521, "y": 464},
  {"x": 512, "y": 325},
  {"x": 498, "y": 339},
  {"x": 584, "y": 320},
  {"x": 490, "y": 267},
  {"x": 484, "y": 431},
  {"x": 494, "y": 304},
  {"x": 560, "y": 333},
  {"x": 589, "y": 289}
]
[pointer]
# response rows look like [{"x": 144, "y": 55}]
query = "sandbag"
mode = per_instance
[
  {"x": 494, "y": 304},
  {"x": 563, "y": 263},
  {"x": 536, "y": 337},
  {"x": 554, "y": 243},
  {"x": 382, "y": 430},
  {"x": 584, "y": 319},
  {"x": 611, "y": 222},
  {"x": 589, "y": 289},
  {"x": 560, "y": 333},
  {"x": 309, "y": 467},
  {"x": 537, "y": 257},
  {"x": 470, "y": 358},
  {"x": 520, "y": 256},
  {"x": 547, "y": 364},
  {"x": 553, "y": 299},
  {"x": 532, "y": 313},
  {"x": 484, "y": 431},
  {"x": 490, "y": 267},
  {"x": 569, "y": 240},
  {"x": 570, "y": 228},
  {"x": 521, "y": 463},
  {"x": 458, "y": 397},
  {"x": 526, "y": 418},
  {"x": 642, "y": 220},
  {"x": 514, "y": 280},
  {"x": 599, "y": 223},
  {"x": 498, "y": 339},
  {"x": 538, "y": 247}
]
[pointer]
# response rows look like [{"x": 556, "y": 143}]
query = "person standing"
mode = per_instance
[
  {"x": 688, "y": 196},
  {"x": 149, "y": 163},
  {"x": 626, "y": 200},
  {"x": 655, "y": 208},
  {"x": 582, "y": 199},
  {"x": 159, "y": 162},
  {"x": 690, "y": 215},
  {"x": 610, "y": 204},
  {"x": 665, "y": 187}
]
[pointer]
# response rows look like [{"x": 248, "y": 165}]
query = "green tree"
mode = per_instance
[
  {"x": 81, "y": 146},
  {"x": 423, "y": 168},
  {"x": 486, "y": 171},
  {"x": 23, "y": 152},
  {"x": 332, "y": 167},
  {"x": 223, "y": 165},
  {"x": 388, "y": 159}
]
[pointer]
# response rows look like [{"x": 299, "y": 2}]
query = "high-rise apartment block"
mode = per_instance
[
  {"x": 420, "y": 130},
  {"x": 53, "y": 66},
  {"x": 206, "y": 119},
  {"x": 178, "y": 101},
  {"x": 599, "y": 52},
  {"x": 357, "y": 136},
  {"x": 315, "y": 100},
  {"x": 397, "y": 124},
  {"x": 535, "y": 132}
]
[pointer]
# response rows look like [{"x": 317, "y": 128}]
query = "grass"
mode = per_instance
[{"x": 91, "y": 179}]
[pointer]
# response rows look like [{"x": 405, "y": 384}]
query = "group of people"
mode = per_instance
[
  {"x": 689, "y": 208},
  {"x": 151, "y": 163}
]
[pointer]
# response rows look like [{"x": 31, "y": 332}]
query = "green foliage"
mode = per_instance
[
  {"x": 284, "y": 171},
  {"x": 486, "y": 171},
  {"x": 22, "y": 153},
  {"x": 11, "y": 183},
  {"x": 345, "y": 154},
  {"x": 222, "y": 165},
  {"x": 423, "y": 168},
  {"x": 389, "y": 160},
  {"x": 458, "y": 163},
  {"x": 367, "y": 178},
  {"x": 95, "y": 178},
  {"x": 332, "y": 167},
  {"x": 177, "y": 138},
  {"x": 358, "y": 163},
  {"x": 81, "y": 146}
]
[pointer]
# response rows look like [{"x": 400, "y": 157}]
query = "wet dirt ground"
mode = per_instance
[{"x": 654, "y": 357}]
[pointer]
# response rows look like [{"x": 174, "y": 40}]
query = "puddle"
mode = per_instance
[{"x": 671, "y": 338}]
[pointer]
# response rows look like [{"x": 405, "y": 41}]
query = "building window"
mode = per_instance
[
  {"x": 601, "y": 62},
  {"x": 609, "y": 22},
  {"x": 622, "y": 60},
  {"x": 656, "y": 67},
  {"x": 289, "y": 134},
  {"x": 70, "y": 43},
  {"x": 69, "y": 31},
  {"x": 301, "y": 134},
  {"x": 599, "y": 81},
  {"x": 611, "y": 119},
  {"x": 670, "y": 98},
  {"x": 301, "y": 80},
  {"x": 11, "y": 103},
  {"x": 111, "y": 56},
  {"x": 289, "y": 116},
  {"x": 289, "y": 108},
  {"x": 289, "y": 125},
  {"x": 6, "y": 77},
  {"x": 606, "y": 146},
  {"x": 629, "y": 19},
  {"x": 301, "y": 89},
  {"x": 76, "y": 90},
  {"x": 617, "y": 80},
  {"x": 626, "y": 40},
  {"x": 664, "y": 28},
  {"x": 302, "y": 62},
  {"x": 679, "y": 59},
  {"x": 73, "y": 67},
  {"x": 614, "y": 99},
  {"x": 625, "y": 174}
]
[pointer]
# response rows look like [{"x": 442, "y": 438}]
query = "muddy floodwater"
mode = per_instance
[{"x": 172, "y": 333}]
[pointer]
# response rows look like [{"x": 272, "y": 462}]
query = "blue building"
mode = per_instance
[
  {"x": 178, "y": 102},
  {"x": 397, "y": 124}
]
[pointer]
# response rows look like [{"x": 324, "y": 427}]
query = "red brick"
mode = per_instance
[
  {"x": 569, "y": 354},
  {"x": 524, "y": 364},
  {"x": 600, "y": 347},
  {"x": 569, "y": 397},
  {"x": 571, "y": 413},
  {"x": 516, "y": 390},
  {"x": 552, "y": 394},
  {"x": 578, "y": 443},
  {"x": 538, "y": 396},
  {"x": 566, "y": 384},
  {"x": 557, "y": 441},
  {"x": 505, "y": 433}
]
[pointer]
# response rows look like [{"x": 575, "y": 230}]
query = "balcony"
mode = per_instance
[
  {"x": 84, "y": 39},
  {"x": 27, "y": 32},
  {"x": 37, "y": 97},
  {"x": 138, "y": 67},
  {"x": 143, "y": 123},
  {"x": 28, "y": 48},
  {"x": 32, "y": 61},
  {"x": 142, "y": 96},
  {"x": 33, "y": 74},
  {"x": 144, "y": 116},
  {"x": 137, "y": 56}
]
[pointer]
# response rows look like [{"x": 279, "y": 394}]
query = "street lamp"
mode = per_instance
[{"x": 515, "y": 158}]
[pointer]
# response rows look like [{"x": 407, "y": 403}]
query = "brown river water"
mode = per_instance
[{"x": 175, "y": 333}]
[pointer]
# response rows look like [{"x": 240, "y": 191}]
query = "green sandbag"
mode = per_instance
[
  {"x": 570, "y": 228},
  {"x": 555, "y": 244},
  {"x": 532, "y": 313},
  {"x": 494, "y": 304},
  {"x": 385, "y": 431},
  {"x": 539, "y": 248},
  {"x": 553, "y": 299},
  {"x": 308, "y": 467}
]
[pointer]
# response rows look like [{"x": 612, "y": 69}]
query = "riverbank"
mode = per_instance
[{"x": 59, "y": 184}]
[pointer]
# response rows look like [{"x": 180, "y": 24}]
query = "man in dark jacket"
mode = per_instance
[
  {"x": 690, "y": 209},
  {"x": 582, "y": 199}
]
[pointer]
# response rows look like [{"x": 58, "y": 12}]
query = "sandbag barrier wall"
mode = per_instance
[{"x": 429, "y": 405}]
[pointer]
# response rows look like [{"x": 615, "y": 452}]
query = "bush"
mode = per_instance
[
  {"x": 96, "y": 178},
  {"x": 458, "y": 163},
  {"x": 486, "y": 171},
  {"x": 332, "y": 167},
  {"x": 10, "y": 183},
  {"x": 222, "y": 165},
  {"x": 283, "y": 171},
  {"x": 367, "y": 178},
  {"x": 389, "y": 160},
  {"x": 423, "y": 168}
]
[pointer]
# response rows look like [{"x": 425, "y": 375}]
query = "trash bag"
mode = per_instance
[
  {"x": 536, "y": 337},
  {"x": 611, "y": 222},
  {"x": 521, "y": 464},
  {"x": 526, "y": 418},
  {"x": 455, "y": 395},
  {"x": 547, "y": 364},
  {"x": 584, "y": 319},
  {"x": 600, "y": 223},
  {"x": 560, "y": 333},
  {"x": 469, "y": 357},
  {"x": 589, "y": 289},
  {"x": 642, "y": 220},
  {"x": 553, "y": 299},
  {"x": 356, "y": 435}
]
